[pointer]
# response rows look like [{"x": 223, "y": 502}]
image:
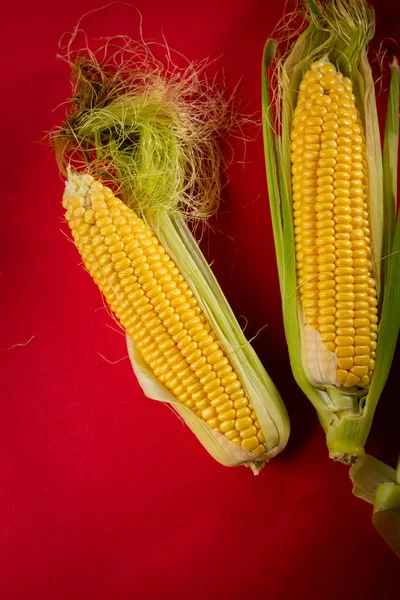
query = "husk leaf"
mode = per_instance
[{"x": 377, "y": 483}]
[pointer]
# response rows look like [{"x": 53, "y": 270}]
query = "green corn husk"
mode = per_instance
[
  {"x": 337, "y": 30},
  {"x": 153, "y": 135},
  {"x": 377, "y": 483}
]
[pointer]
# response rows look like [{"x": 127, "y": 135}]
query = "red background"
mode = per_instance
[{"x": 104, "y": 494}]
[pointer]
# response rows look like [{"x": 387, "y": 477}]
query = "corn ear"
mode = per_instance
[
  {"x": 337, "y": 34},
  {"x": 154, "y": 139},
  {"x": 379, "y": 485}
]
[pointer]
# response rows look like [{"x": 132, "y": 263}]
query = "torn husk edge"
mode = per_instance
[{"x": 346, "y": 416}]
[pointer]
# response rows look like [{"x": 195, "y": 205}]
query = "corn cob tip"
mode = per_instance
[{"x": 77, "y": 188}]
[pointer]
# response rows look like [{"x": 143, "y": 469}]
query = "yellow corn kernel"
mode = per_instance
[{"x": 250, "y": 443}]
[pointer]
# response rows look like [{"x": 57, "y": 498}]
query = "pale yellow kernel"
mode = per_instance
[
  {"x": 326, "y": 268},
  {"x": 325, "y": 180},
  {"x": 341, "y": 175},
  {"x": 212, "y": 385},
  {"x": 362, "y": 313},
  {"x": 243, "y": 424},
  {"x": 344, "y": 323},
  {"x": 238, "y": 396},
  {"x": 326, "y": 162},
  {"x": 330, "y": 126},
  {"x": 90, "y": 216},
  {"x": 233, "y": 387},
  {"x": 361, "y": 322},
  {"x": 215, "y": 357},
  {"x": 312, "y": 76},
  {"x": 250, "y": 443},
  {"x": 344, "y": 279},
  {"x": 346, "y": 82},
  {"x": 213, "y": 423},
  {"x": 363, "y": 330},
  {"x": 362, "y": 350},
  {"x": 190, "y": 351},
  {"x": 314, "y": 88},
  {"x": 316, "y": 66},
  {"x": 328, "y": 153},
  {"x": 227, "y": 425},
  {"x": 326, "y": 68},
  {"x": 327, "y": 293},
  {"x": 201, "y": 404},
  {"x": 345, "y": 363},
  {"x": 341, "y": 376},
  {"x": 342, "y": 210},
  {"x": 105, "y": 225},
  {"x": 220, "y": 402},
  {"x": 330, "y": 116},
  {"x": 204, "y": 371},
  {"x": 338, "y": 89},
  {"x": 362, "y": 360},
  {"x": 324, "y": 240},
  {"x": 97, "y": 201},
  {"x": 328, "y": 311},
  {"x": 326, "y": 285},
  {"x": 208, "y": 413},
  {"x": 215, "y": 393},
  {"x": 260, "y": 449},
  {"x": 365, "y": 381},
  {"x": 236, "y": 441},
  {"x": 360, "y": 370},
  {"x": 243, "y": 412},
  {"x": 241, "y": 403},
  {"x": 351, "y": 380},
  {"x": 342, "y": 340},
  {"x": 327, "y": 249},
  {"x": 232, "y": 434},
  {"x": 343, "y": 287},
  {"x": 227, "y": 415},
  {"x": 249, "y": 432},
  {"x": 346, "y": 331},
  {"x": 345, "y": 351},
  {"x": 261, "y": 436},
  {"x": 328, "y": 136},
  {"x": 345, "y": 305},
  {"x": 345, "y": 296},
  {"x": 209, "y": 349}
]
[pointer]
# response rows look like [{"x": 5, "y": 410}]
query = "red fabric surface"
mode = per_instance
[{"x": 104, "y": 494}]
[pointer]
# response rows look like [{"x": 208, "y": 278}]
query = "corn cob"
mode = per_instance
[
  {"x": 153, "y": 138},
  {"x": 333, "y": 205},
  {"x": 332, "y": 228},
  {"x": 159, "y": 311}
]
